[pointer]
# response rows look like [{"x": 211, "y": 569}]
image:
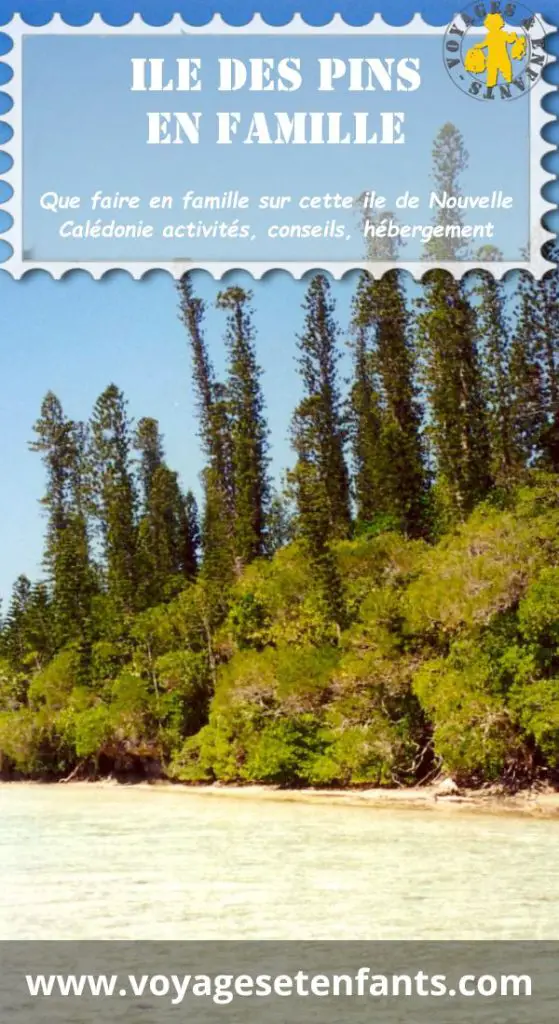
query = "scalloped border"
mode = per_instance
[{"x": 17, "y": 267}]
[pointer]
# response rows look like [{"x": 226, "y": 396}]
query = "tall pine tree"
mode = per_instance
[
  {"x": 314, "y": 524},
  {"x": 61, "y": 443},
  {"x": 249, "y": 431},
  {"x": 365, "y": 427},
  {"x": 494, "y": 346},
  {"x": 168, "y": 527},
  {"x": 190, "y": 535},
  {"x": 15, "y": 643},
  {"x": 451, "y": 361},
  {"x": 453, "y": 382},
  {"x": 217, "y": 527},
  {"x": 211, "y": 397},
  {"x": 529, "y": 401},
  {"x": 395, "y": 444},
  {"x": 149, "y": 444},
  {"x": 114, "y": 495},
  {"x": 550, "y": 289},
  {"x": 318, "y": 431}
]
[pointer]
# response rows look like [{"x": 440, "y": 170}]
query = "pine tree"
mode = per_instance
[
  {"x": 40, "y": 625},
  {"x": 160, "y": 538},
  {"x": 61, "y": 443},
  {"x": 114, "y": 495},
  {"x": 453, "y": 382},
  {"x": 168, "y": 532},
  {"x": 249, "y": 431},
  {"x": 364, "y": 406},
  {"x": 218, "y": 553},
  {"x": 189, "y": 521},
  {"x": 527, "y": 374},
  {"x": 191, "y": 314},
  {"x": 27, "y": 631},
  {"x": 493, "y": 342},
  {"x": 314, "y": 525},
  {"x": 149, "y": 443},
  {"x": 281, "y": 526},
  {"x": 365, "y": 429},
  {"x": 318, "y": 432},
  {"x": 451, "y": 361},
  {"x": 14, "y": 639},
  {"x": 217, "y": 527},
  {"x": 549, "y": 289},
  {"x": 549, "y": 441},
  {"x": 395, "y": 452},
  {"x": 211, "y": 395}
]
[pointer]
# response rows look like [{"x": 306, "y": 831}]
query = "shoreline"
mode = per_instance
[{"x": 435, "y": 798}]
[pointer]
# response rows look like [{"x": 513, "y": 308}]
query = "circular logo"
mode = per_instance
[{"x": 495, "y": 51}]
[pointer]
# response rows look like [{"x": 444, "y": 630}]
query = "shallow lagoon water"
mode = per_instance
[{"x": 87, "y": 862}]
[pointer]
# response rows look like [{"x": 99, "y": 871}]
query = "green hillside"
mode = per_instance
[{"x": 449, "y": 659}]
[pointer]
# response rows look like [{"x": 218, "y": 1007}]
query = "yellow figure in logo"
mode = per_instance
[{"x": 498, "y": 60}]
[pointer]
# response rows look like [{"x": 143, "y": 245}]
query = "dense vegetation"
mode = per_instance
[{"x": 392, "y": 612}]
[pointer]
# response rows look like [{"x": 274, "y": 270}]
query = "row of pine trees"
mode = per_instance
[{"x": 452, "y": 395}]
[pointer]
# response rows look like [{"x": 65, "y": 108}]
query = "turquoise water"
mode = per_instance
[{"x": 134, "y": 862}]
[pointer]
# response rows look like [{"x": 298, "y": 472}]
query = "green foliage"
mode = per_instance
[
  {"x": 391, "y": 476},
  {"x": 249, "y": 622},
  {"x": 449, "y": 659},
  {"x": 480, "y": 571},
  {"x": 365, "y": 423},
  {"x": 538, "y": 614},
  {"x": 537, "y": 710},
  {"x": 114, "y": 494},
  {"x": 29, "y": 744},
  {"x": 454, "y": 385},
  {"x": 321, "y": 475},
  {"x": 86, "y": 727},
  {"x": 51, "y": 686},
  {"x": 494, "y": 342},
  {"x": 62, "y": 445},
  {"x": 472, "y": 730},
  {"x": 528, "y": 403},
  {"x": 166, "y": 540},
  {"x": 249, "y": 432},
  {"x": 283, "y": 751},
  {"x": 357, "y": 755},
  {"x": 315, "y": 527}
]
